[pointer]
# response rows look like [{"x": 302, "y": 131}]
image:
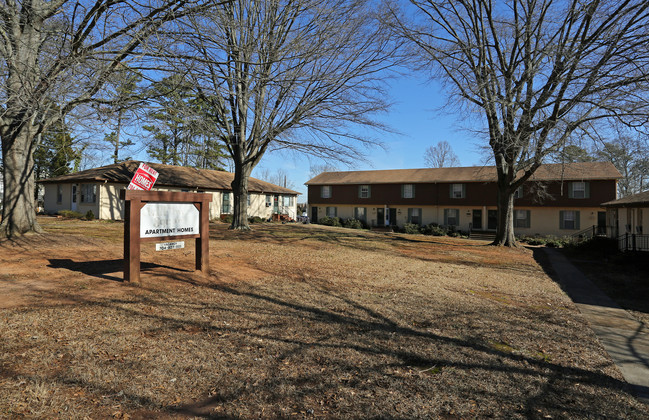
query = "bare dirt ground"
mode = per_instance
[{"x": 293, "y": 321}]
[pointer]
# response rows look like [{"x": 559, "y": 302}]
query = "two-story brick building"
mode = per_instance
[{"x": 467, "y": 197}]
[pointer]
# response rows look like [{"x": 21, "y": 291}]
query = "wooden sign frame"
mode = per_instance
[{"x": 135, "y": 200}]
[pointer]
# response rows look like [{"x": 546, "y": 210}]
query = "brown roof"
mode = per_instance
[
  {"x": 169, "y": 176},
  {"x": 635, "y": 200},
  {"x": 569, "y": 171}
]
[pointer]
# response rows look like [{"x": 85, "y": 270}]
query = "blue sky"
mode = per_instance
[{"x": 415, "y": 114}]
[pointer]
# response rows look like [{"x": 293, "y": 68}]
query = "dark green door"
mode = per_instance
[{"x": 492, "y": 219}]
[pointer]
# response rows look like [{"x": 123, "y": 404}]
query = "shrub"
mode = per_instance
[
  {"x": 411, "y": 228},
  {"x": 71, "y": 214},
  {"x": 330, "y": 221},
  {"x": 90, "y": 215},
  {"x": 353, "y": 224},
  {"x": 433, "y": 229}
]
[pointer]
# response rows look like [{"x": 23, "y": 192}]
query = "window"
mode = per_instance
[
  {"x": 451, "y": 217},
  {"x": 522, "y": 218},
  {"x": 88, "y": 193},
  {"x": 360, "y": 213},
  {"x": 225, "y": 205},
  {"x": 408, "y": 191},
  {"x": 332, "y": 211},
  {"x": 579, "y": 190},
  {"x": 59, "y": 194},
  {"x": 364, "y": 191},
  {"x": 458, "y": 191},
  {"x": 569, "y": 219},
  {"x": 325, "y": 191},
  {"x": 414, "y": 216},
  {"x": 519, "y": 192}
]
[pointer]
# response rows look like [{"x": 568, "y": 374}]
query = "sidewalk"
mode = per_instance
[{"x": 625, "y": 339}]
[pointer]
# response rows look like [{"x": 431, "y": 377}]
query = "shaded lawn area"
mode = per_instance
[
  {"x": 295, "y": 321},
  {"x": 624, "y": 277}
]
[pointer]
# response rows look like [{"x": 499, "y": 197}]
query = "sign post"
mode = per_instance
[{"x": 155, "y": 216}]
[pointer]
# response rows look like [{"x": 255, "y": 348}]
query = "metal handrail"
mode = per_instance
[{"x": 633, "y": 242}]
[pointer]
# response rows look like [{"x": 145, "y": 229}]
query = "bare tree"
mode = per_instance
[
  {"x": 288, "y": 75},
  {"x": 441, "y": 156},
  {"x": 317, "y": 169},
  {"x": 57, "y": 55},
  {"x": 536, "y": 70}
]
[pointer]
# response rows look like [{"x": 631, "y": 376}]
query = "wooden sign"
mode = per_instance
[{"x": 172, "y": 215}]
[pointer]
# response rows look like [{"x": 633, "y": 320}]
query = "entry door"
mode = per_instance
[
  {"x": 477, "y": 219},
  {"x": 393, "y": 217},
  {"x": 380, "y": 216},
  {"x": 601, "y": 222},
  {"x": 492, "y": 219},
  {"x": 73, "y": 202}
]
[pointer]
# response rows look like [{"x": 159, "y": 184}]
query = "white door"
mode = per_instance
[{"x": 73, "y": 203}]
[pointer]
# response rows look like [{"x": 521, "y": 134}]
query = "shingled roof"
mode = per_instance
[
  {"x": 550, "y": 172},
  {"x": 169, "y": 176},
  {"x": 635, "y": 200}
]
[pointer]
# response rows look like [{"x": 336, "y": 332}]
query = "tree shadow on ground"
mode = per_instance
[{"x": 101, "y": 268}]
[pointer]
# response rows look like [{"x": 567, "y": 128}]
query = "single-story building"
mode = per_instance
[
  {"x": 629, "y": 221},
  {"x": 559, "y": 199},
  {"x": 98, "y": 190}
]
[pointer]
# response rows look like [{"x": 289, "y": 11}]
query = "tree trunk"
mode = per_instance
[
  {"x": 505, "y": 231},
  {"x": 18, "y": 210},
  {"x": 240, "y": 192}
]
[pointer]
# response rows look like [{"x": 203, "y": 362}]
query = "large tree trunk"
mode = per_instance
[
  {"x": 505, "y": 231},
  {"x": 18, "y": 210},
  {"x": 240, "y": 192}
]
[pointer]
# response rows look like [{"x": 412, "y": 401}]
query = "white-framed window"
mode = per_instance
[
  {"x": 364, "y": 191},
  {"x": 522, "y": 218},
  {"x": 408, "y": 191},
  {"x": 569, "y": 219},
  {"x": 88, "y": 193},
  {"x": 451, "y": 217},
  {"x": 579, "y": 190},
  {"x": 59, "y": 194},
  {"x": 414, "y": 215},
  {"x": 360, "y": 213},
  {"x": 225, "y": 203},
  {"x": 325, "y": 191},
  {"x": 458, "y": 191},
  {"x": 332, "y": 211}
]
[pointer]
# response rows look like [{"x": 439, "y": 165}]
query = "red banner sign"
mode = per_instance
[{"x": 144, "y": 178}]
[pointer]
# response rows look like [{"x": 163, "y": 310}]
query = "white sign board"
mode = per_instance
[
  {"x": 168, "y": 219},
  {"x": 165, "y": 246}
]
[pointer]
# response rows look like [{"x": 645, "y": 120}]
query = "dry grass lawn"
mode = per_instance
[{"x": 293, "y": 321}]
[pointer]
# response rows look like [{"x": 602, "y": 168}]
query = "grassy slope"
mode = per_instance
[{"x": 302, "y": 321}]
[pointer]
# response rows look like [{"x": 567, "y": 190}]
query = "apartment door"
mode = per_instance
[
  {"x": 492, "y": 219},
  {"x": 393, "y": 217},
  {"x": 380, "y": 216},
  {"x": 73, "y": 202},
  {"x": 477, "y": 219},
  {"x": 601, "y": 223}
]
